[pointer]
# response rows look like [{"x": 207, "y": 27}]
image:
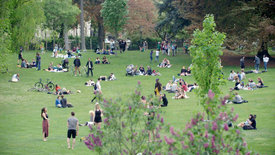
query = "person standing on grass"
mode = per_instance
[
  {"x": 77, "y": 64},
  {"x": 151, "y": 56},
  {"x": 98, "y": 115},
  {"x": 89, "y": 66},
  {"x": 45, "y": 123},
  {"x": 73, "y": 127},
  {"x": 157, "y": 56},
  {"x": 38, "y": 61},
  {"x": 265, "y": 60},
  {"x": 20, "y": 56},
  {"x": 97, "y": 89},
  {"x": 257, "y": 63},
  {"x": 242, "y": 63}
]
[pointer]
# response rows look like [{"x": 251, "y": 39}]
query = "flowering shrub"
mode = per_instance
[
  {"x": 126, "y": 127},
  {"x": 213, "y": 136}
]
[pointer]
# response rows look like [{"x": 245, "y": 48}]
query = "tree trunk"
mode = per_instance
[
  {"x": 91, "y": 36},
  {"x": 66, "y": 39},
  {"x": 46, "y": 46},
  {"x": 101, "y": 34},
  {"x": 263, "y": 50},
  {"x": 83, "y": 45}
]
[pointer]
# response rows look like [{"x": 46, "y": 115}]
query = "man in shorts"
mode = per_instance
[{"x": 72, "y": 129}]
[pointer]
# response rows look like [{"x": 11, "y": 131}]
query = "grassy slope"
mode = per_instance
[{"x": 20, "y": 121}]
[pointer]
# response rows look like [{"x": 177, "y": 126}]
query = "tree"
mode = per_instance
[
  {"x": 114, "y": 13},
  {"x": 206, "y": 50},
  {"x": 248, "y": 23},
  {"x": 170, "y": 22},
  {"x": 93, "y": 8},
  {"x": 142, "y": 18},
  {"x": 61, "y": 14},
  {"x": 82, "y": 23}
]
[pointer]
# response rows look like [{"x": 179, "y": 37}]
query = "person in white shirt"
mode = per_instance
[
  {"x": 15, "y": 78},
  {"x": 242, "y": 75},
  {"x": 97, "y": 89},
  {"x": 157, "y": 56},
  {"x": 265, "y": 60},
  {"x": 232, "y": 76}
]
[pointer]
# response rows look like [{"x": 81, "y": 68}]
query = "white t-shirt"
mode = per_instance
[
  {"x": 266, "y": 59},
  {"x": 14, "y": 78},
  {"x": 157, "y": 53},
  {"x": 98, "y": 86}
]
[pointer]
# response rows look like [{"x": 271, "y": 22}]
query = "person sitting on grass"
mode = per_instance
[
  {"x": 97, "y": 61},
  {"x": 251, "y": 85},
  {"x": 188, "y": 72},
  {"x": 33, "y": 63},
  {"x": 149, "y": 71},
  {"x": 165, "y": 63},
  {"x": 164, "y": 101},
  {"x": 232, "y": 76},
  {"x": 183, "y": 71},
  {"x": 57, "y": 89},
  {"x": 249, "y": 124},
  {"x": 237, "y": 83},
  {"x": 92, "y": 117},
  {"x": 112, "y": 77},
  {"x": 57, "y": 102},
  {"x": 105, "y": 60},
  {"x": 155, "y": 73},
  {"x": 64, "y": 102},
  {"x": 192, "y": 86},
  {"x": 238, "y": 99},
  {"x": 142, "y": 70},
  {"x": 260, "y": 83},
  {"x": 168, "y": 86},
  {"x": 15, "y": 78},
  {"x": 241, "y": 75}
]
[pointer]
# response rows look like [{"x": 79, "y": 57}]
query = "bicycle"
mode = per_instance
[{"x": 49, "y": 85}]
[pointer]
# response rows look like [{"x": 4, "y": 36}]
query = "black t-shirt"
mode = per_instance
[
  {"x": 183, "y": 71},
  {"x": 253, "y": 124}
]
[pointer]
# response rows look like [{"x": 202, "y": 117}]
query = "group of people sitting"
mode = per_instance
[
  {"x": 62, "y": 103},
  {"x": 135, "y": 70},
  {"x": 251, "y": 85},
  {"x": 173, "y": 86},
  {"x": 105, "y": 52},
  {"x": 184, "y": 72},
  {"x": 233, "y": 76},
  {"x": 26, "y": 64},
  {"x": 111, "y": 77},
  {"x": 165, "y": 63},
  {"x": 57, "y": 68},
  {"x": 104, "y": 60},
  {"x": 69, "y": 54}
]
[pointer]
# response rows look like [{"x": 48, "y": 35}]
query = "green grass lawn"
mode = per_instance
[{"x": 21, "y": 124}]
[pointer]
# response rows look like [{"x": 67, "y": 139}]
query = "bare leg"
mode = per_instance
[
  {"x": 68, "y": 142},
  {"x": 78, "y": 70},
  {"x": 73, "y": 143},
  {"x": 75, "y": 71},
  {"x": 44, "y": 138}
]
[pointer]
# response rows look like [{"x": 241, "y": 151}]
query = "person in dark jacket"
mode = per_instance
[
  {"x": 77, "y": 64},
  {"x": 63, "y": 102},
  {"x": 89, "y": 66},
  {"x": 257, "y": 63},
  {"x": 164, "y": 101},
  {"x": 242, "y": 63}
]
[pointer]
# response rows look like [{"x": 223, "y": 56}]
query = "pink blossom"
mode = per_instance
[
  {"x": 158, "y": 116},
  {"x": 169, "y": 141},
  {"x": 211, "y": 94},
  {"x": 206, "y": 126},
  {"x": 248, "y": 153},
  {"x": 244, "y": 144},
  {"x": 130, "y": 108},
  {"x": 237, "y": 152},
  {"x": 238, "y": 132},
  {"x": 225, "y": 127},
  {"x": 206, "y": 134},
  {"x": 214, "y": 126},
  {"x": 205, "y": 145},
  {"x": 191, "y": 138},
  {"x": 235, "y": 118},
  {"x": 139, "y": 82},
  {"x": 232, "y": 109},
  {"x": 161, "y": 120},
  {"x": 193, "y": 121}
]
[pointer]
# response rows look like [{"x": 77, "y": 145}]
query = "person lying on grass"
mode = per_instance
[
  {"x": 249, "y": 124},
  {"x": 26, "y": 64},
  {"x": 90, "y": 83}
]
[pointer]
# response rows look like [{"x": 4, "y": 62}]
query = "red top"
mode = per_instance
[
  {"x": 184, "y": 87},
  {"x": 57, "y": 88}
]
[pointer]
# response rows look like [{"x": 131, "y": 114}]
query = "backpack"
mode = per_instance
[{"x": 95, "y": 87}]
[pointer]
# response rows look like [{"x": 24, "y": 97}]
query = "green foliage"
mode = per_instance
[
  {"x": 114, "y": 14},
  {"x": 127, "y": 125},
  {"x": 25, "y": 19},
  {"x": 206, "y": 50}
]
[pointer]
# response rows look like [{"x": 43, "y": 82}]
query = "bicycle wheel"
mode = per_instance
[
  {"x": 38, "y": 85},
  {"x": 50, "y": 86}
]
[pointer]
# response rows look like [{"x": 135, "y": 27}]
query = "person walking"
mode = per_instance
[
  {"x": 89, "y": 66},
  {"x": 151, "y": 56},
  {"x": 73, "y": 127},
  {"x": 38, "y": 61},
  {"x": 265, "y": 60},
  {"x": 45, "y": 123},
  {"x": 77, "y": 64},
  {"x": 157, "y": 56},
  {"x": 257, "y": 63},
  {"x": 97, "y": 89},
  {"x": 242, "y": 63}
]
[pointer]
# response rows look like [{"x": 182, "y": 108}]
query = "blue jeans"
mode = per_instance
[
  {"x": 38, "y": 65},
  {"x": 257, "y": 67},
  {"x": 157, "y": 58},
  {"x": 265, "y": 66},
  {"x": 151, "y": 59}
]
